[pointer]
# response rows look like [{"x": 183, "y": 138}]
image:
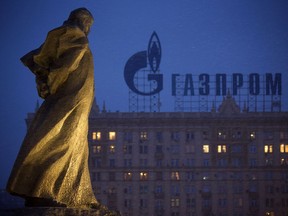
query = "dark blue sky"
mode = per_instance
[{"x": 199, "y": 36}]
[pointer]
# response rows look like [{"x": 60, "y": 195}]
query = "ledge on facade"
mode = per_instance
[{"x": 51, "y": 211}]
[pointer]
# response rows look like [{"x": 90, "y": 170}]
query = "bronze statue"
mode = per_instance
[{"x": 52, "y": 165}]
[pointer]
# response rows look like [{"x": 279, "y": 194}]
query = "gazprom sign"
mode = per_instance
[
  {"x": 218, "y": 84},
  {"x": 191, "y": 84}
]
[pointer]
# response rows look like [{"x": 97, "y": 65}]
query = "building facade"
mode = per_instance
[{"x": 227, "y": 162}]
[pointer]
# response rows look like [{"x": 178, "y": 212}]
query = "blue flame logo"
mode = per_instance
[{"x": 139, "y": 61}]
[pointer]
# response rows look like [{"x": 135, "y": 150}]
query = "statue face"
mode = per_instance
[{"x": 87, "y": 23}]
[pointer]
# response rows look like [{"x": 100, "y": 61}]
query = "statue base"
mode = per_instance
[{"x": 52, "y": 211}]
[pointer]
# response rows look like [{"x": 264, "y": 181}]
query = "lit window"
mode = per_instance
[
  {"x": 268, "y": 148},
  {"x": 112, "y": 148},
  {"x": 96, "y": 149},
  {"x": 205, "y": 148},
  {"x": 112, "y": 135},
  {"x": 127, "y": 176},
  {"x": 221, "y": 149},
  {"x": 143, "y": 176},
  {"x": 222, "y": 134},
  {"x": 284, "y": 161},
  {"x": 284, "y": 148},
  {"x": 175, "y": 202},
  {"x": 252, "y": 135},
  {"x": 175, "y": 176},
  {"x": 143, "y": 135},
  {"x": 96, "y": 135}
]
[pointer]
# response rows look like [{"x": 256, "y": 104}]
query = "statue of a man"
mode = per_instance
[{"x": 52, "y": 165}]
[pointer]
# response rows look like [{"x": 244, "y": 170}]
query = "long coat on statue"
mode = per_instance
[{"x": 53, "y": 160}]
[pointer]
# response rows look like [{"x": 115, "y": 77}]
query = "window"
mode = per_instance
[
  {"x": 252, "y": 162},
  {"x": 175, "y": 136},
  {"x": 96, "y": 176},
  {"x": 221, "y": 149},
  {"x": 236, "y": 162},
  {"x": 189, "y": 176},
  {"x": 190, "y": 203},
  {"x": 175, "y": 162},
  {"x": 268, "y": 148},
  {"x": 236, "y": 149},
  {"x": 268, "y": 161},
  {"x": 143, "y": 189},
  {"x": 284, "y": 161},
  {"x": 190, "y": 189},
  {"x": 222, "y": 162},
  {"x": 111, "y": 162},
  {"x": 284, "y": 135},
  {"x": 127, "y": 162},
  {"x": 206, "y": 162},
  {"x": 127, "y": 176},
  {"x": 269, "y": 202},
  {"x": 268, "y": 135},
  {"x": 159, "y": 175},
  {"x": 143, "y": 176},
  {"x": 112, "y": 176},
  {"x": 238, "y": 202},
  {"x": 205, "y": 148},
  {"x": 143, "y": 203},
  {"x": 236, "y": 134},
  {"x": 112, "y": 135},
  {"x": 128, "y": 190},
  {"x": 190, "y": 148},
  {"x": 175, "y": 190},
  {"x": 128, "y": 203},
  {"x": 252, "y": 149},
  {"x": 175, "y": 176},
  {"x": 159, "y": 149},
  {"x": 143, "y": 149},
  {"x": 190, "y": 162},
  {"x": 284, "y": 148},
  {"x": 222, "y": 202},
  {"x": 96, "y": 135},
  {"x": 143, "y": 135},
  {"x": 175, "y": 202},
  {"x": 128, "y": 137},
  {"x": 222, "y": 135},
  {"x": 159, "y": 162},
  {"x": 252, "y": 135},
  {"x": 96, "y": 162},
  {"x": 112, "y": 148},
  {"x": 127, "y": 149},
  {"x": 189, "y": 136},
  {"x": 96, "y": 149},
  {"x": 159, "y": 136},
  {"x": 175, "y": 149},
  {"x": 159, "y": 189},
  {"x": 143, "y": 162},
  {"x": 205, "y": 135}
]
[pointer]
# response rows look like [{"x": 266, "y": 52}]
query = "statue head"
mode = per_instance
[{"x": 82, "y": 18}]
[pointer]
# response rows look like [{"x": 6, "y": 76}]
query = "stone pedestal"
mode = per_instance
[{"x": 52, "y": 211}]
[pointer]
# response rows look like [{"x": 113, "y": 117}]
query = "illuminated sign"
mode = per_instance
[
  {"x": 271, "y": 84},
  {"x": 138, "y": 62},
  {"x": 193, "y": 91}
]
